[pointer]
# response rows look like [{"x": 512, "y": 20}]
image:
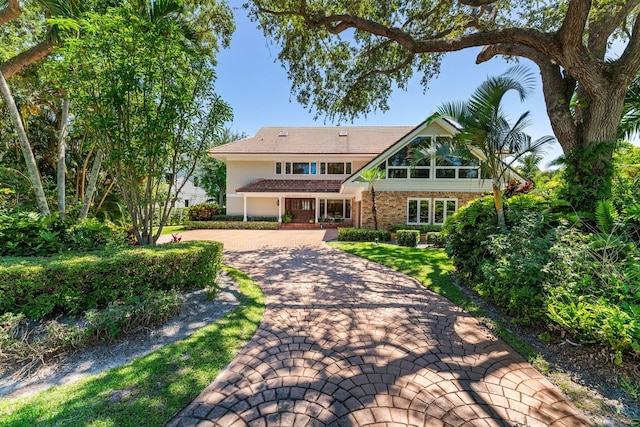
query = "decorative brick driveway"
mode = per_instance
[{"x": 348, "y": 342}]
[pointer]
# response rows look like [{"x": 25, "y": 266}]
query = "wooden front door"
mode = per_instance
[{"x": 301, "y": 209}]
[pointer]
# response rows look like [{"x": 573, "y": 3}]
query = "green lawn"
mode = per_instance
[
  {"x": 152, "y": 389},
  {"x": 170, "y": 229},
  {"x": 431, "y": 267}
]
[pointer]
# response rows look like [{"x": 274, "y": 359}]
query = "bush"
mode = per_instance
[
  {"x": 230, "y": 225},
  {"x": 435, "y": 238},
  {"x": 202, "y": 212},
  {"x": 349, "y": 234},
  {"x": 422, "y": 228},
  {"x": 32, "y": 234},
  {"x": 513, "y": 275},
  {"x": 409, "y": 238},
  {"x": 39, "y": 287},
  {"x": 466, "y": 233}
]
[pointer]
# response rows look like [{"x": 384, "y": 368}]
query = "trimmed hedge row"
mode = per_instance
[
  {"x": 349, "y": 234},
  {"x": 230, "y": 225},
  {"x": 68, "y": 284},
  {"x": 409, "y": 238},
  {"x": 422, "y": 228}
]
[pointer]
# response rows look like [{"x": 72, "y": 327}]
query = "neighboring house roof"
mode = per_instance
[
  {"x": 316, "y": 140},
  {"x": 292, "y": 186}
]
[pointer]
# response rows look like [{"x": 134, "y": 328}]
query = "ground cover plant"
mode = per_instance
[{"x": 152, "y": 389}]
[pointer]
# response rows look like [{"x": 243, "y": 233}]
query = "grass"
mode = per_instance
[
  {"x": 150, "y": 390},
  {"x": 170, "y": 229},
  {"x": 431, "y": 267}
]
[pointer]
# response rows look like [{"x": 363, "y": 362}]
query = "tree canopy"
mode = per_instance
[{"x": 344, "y": 58}]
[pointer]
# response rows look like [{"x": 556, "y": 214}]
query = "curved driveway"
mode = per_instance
[{"x": 347, "y": 342}]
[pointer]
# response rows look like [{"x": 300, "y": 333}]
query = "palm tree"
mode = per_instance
[
  {"x": 529, "y": 164},
  {"x": 630, "y": 123},
  {"x": 371, "y": 176},
  {"x": 485, "y": 132}
]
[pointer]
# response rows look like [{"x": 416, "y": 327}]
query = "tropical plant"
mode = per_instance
[
  {"x": 142, "y": 83},
  {"x": 485, "y": 132},
  {"x": 371, "y": 176}
]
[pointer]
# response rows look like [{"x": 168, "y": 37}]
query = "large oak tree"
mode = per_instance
[{"x": 344, "y": 57}]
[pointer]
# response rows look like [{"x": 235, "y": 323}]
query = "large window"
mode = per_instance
[
  {"x": 400, "y": 165},
  {"x": 335, "y": 168},
  {"x": 418, "y": 211},
  {"x": 442, "y": 209},
  {"x": 296, "y": 168},
  {"x": 335, "y": 209}
]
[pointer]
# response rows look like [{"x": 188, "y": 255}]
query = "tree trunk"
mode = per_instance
[
  {"x": 91, "y": 186},
  {"x": 497, "y": 200},
  {"x": 374, "y": 208},
  {"x": 62, "y": 169},
  {"x": 32, "y": 166}
]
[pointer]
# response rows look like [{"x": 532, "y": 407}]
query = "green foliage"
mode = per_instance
[
  {"x": 422, "y": 228},
  {"x": 40, "y": 287},
  {"x": 607, "y": 216},
  {"x": 31, "y": 234},
  {"x": 230, "y": 225},
  {"x": 163, "y": 382},
  {"x": 141, "y": 80},
  {"x": 409, "y": 238},
  {"x": 467, "y": 232},
  {"x": 587, "y": 176},
  {"x": 349, "y": 234},
  {"x": 202, "y": 212},
  {"x": 435, "y": 238},
  {"x": 512, "y": 275},
  {"x": 287, "y": 217}
]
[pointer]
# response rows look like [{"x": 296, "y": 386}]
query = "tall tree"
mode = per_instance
[
  {"x": 212, "y": 173},
  {"x": 371, "y": 177},
  {"x": 344, "y": 58},
  {"x": 142, "y": 82},
  {"x": 485, "y": 132}
]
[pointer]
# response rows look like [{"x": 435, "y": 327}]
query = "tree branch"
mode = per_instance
[
  {"x": 11, "y": 12},
  {"x": 599, "y": 32},
  {"x": 17, "y": 63},
  {"x": 572, "y": 28},
  {"x": 629, "y": 62}
]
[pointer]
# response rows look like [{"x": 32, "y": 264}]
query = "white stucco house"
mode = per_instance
[{"x": 313, "y": 175}]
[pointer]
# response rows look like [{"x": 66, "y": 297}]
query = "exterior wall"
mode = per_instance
[
  {"x": 392, "y": 205},
  {"x": 256, "y": 206}
]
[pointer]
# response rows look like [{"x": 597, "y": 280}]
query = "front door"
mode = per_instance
[{"x": 302, "y": 210}]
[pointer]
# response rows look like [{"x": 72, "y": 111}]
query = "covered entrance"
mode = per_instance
[{"x": 302, "y": 210}]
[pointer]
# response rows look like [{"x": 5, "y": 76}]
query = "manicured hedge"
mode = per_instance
[
  {"x": 362, "y": 235},
  {"x": 435, "y": 238},
  {"x": 422, "y": 228},
  {"x": 233, "y": 225},
  {"x": 69, "y": 284},
  {"x": 409, "y": 238},
  {"x": 216, "y": 218}
]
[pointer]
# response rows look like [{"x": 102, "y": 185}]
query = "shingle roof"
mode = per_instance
[
  {"x": 292, "y": 186},
  {"x": 317, "y": 140}
]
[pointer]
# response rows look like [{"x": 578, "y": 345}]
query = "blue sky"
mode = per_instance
[{"x": 256, "y": 86}]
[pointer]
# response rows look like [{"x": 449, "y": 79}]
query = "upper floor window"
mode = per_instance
[
  {"x": 335, "y": 168},
  {"x": 296, "y": 168}
]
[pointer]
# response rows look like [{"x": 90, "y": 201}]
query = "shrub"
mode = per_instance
[
  {"x": 466, "y": 233},
  {"x": 422, "y": 228},
  {"x": 435, "y": 238},
  {"x": 230, "y": 225},
  {"x": 349, "y": 234},
  {"x": 39, "y": 287},
  {"x": 409, "y": 238},
  {"x": 32, "y": 234},
  {"x": 202, "y": 211},
  {"x": 513, "y": 275}
]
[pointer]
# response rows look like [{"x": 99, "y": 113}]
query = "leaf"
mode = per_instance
[{"x": 606, "y": 215}]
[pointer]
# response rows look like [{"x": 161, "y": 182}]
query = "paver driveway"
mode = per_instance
[{"x": 348, "y": 342}]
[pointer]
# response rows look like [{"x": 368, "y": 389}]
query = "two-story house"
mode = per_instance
[{"x": 312, "y": 174}]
